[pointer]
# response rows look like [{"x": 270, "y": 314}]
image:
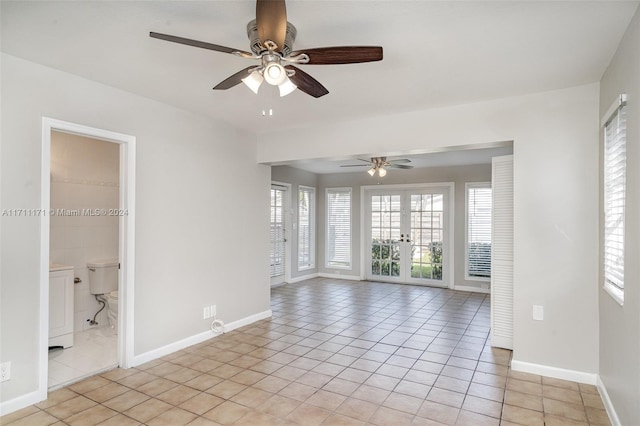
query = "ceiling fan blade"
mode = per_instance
[
  {"x": 399, "y": 166},
  {"x": 356, "y": 165},
  {"x": 342, "y": 54},
  {"x": 271, "y": 20},
  {"x": 306, "y": 83},
  {"x": 196, "y": 43},
  {"x": 234, "y": 80},
  {"x": 400, "y": 161}
]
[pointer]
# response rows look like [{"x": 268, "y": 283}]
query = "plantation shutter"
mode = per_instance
[
  {"x": 479, "y": 230},
  {"x": 502, "y": 252},
  {"x": 339, "y": 227},
  {"x": 615, "y": 156}
]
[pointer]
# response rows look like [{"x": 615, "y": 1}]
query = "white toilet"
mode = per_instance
[{"x": 103, "y": 281}]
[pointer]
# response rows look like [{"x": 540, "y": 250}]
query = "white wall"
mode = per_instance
[
  {"x": 555, "y": 138},
  {"x": 620, "y": 325},
  {"x": 84, "y": 176},
  {"x": 202, "y": 213}
]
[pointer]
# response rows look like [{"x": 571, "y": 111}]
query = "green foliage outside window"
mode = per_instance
[{"x": 385, "y": 260}]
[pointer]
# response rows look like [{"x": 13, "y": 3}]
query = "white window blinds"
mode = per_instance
[
  {"x": 306, "y": 227},
  {"x": 339, "y": 228},
  {"x": 479, "y": 230},
  {"x": 615, "y": 154}
]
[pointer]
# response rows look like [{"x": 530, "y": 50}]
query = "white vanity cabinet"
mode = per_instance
[{"x": 61, "y": 306}]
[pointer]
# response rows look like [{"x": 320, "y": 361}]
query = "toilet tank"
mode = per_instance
[{"x": 103, "y": 276}]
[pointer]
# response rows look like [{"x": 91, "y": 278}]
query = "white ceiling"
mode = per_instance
[{"x": 436, "y": 53}]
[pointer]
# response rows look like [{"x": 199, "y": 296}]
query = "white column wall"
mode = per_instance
[{"x": 620, "y": 325}]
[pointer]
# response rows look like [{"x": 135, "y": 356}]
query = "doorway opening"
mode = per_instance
[
  {"x": 88, "y": 182},
  {"x": 279, "y": 234}
]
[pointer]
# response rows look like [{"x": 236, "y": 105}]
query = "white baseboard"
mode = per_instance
[
  {"x": 555, "y": 372},
  {"x": 22, "y": 401},
  {"x": 247, "y": 320},
  {"x": 35, "y": 397},
  {"x": 471, "y": 289},
  {"x": 608, "y": 405},
  {"x": 198, "y": 338},
  {"x": 302, "y": 278},
  {"x": 340, "y": 276}
]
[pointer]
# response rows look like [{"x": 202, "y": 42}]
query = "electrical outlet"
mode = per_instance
[
  {"x": 206, "y": 314},
  {"x": 5, "y": 371},
  {"x": 538, "y": 313}
]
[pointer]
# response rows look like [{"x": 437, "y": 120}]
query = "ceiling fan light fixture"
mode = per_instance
[
  {"x": 382, "y": 172},
  {"x": 275, "y": 74},
  {"x": 372, "y": 171},
  {"x": 286, "y": 87},
  {"x": 253, "y": 81}
]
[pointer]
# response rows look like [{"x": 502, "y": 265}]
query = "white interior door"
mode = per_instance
[
  {"x": 407, "y": 235},
  {"x": 277, "y": 255}
]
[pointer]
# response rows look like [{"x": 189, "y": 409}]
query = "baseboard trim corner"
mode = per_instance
[
  {"x": 302, "y": 278},
  {"x": 555, "y": 372},
  {"x": 608, "y": 405}
]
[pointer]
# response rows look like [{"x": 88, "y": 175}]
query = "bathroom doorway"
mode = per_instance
[
  {"x": 83, "y": 242},
  {"x": 88, "y": 217}
]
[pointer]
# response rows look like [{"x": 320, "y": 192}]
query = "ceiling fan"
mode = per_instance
[
  {"x": 271, "y": 39},
  {"x": 380, "y": 164}
]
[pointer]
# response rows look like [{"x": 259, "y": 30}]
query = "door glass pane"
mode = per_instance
[
  {"x": 385, "y": 235},
  {"x": 427, "y": 221}
]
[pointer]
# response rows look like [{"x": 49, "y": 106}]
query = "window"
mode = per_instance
[
  {"x": 615, "y": 154},
  {"x": 478, "y": 259},
  {"x": 306, "y": 227},
  {"x": 339, "y": 228}
]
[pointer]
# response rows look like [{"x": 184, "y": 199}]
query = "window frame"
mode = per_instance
[
  {"x": 467, "y": 187},
  {"x": 615, "y": 290},
  {"x": 312, "y": 228},
  {"x": 327, "y": 262}
]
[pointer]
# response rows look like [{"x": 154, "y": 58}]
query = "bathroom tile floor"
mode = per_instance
[
  {"x": 334, "y": 353},
  {"x": 93, "y": 351}
]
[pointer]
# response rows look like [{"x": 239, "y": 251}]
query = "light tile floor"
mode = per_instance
[
  {"x": 334, "y": 353},
  {"x": 93, "y": 351}
]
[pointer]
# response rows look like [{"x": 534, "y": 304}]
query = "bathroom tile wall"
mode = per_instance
[{"x": 84, "y": 184}]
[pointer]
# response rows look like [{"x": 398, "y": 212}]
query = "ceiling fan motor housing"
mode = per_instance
[{"x": 258, "y": 48}]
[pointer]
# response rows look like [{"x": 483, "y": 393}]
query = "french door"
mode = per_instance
[
  {"x": 277, "y": 253},
  {"x": 408, "y": 235}
]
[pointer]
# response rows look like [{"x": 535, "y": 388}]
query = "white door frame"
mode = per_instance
[
  {"x": 126, "y": 243},
  {"x": 288, "y": 212},
  {"x": 364, "y": 244}
]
